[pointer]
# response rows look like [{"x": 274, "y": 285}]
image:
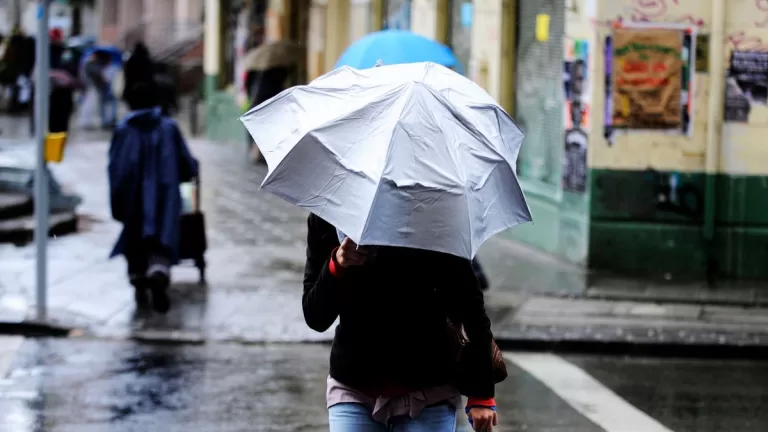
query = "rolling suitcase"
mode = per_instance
[{"x": 193, "y": 241}]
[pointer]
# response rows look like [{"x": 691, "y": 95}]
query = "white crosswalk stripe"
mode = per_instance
[
  {"x": 8, "y": 347},
  {"x": 585, "y": 394}
]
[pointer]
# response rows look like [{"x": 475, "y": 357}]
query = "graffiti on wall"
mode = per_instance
[
  {"x": 649, "y": 11},
  {"x": 659, "y": 10},
  {"x": 670, "y": 11},
  {"x": 577, "y": 106},
  {"x": 762, "y": 7},
  {"x": 741, "y": 41}
]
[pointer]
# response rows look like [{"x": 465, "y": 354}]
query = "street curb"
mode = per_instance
[
  {"x": 34, "y": 329},
  {"x": 18, "y": 208},
  {"x": 703, "y": 351},
  {"x": 658, "y": 349},
  {"x": 61, "y": 224}
]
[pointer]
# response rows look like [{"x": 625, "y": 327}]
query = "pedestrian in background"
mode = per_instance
[
  {"x": 99, "y": 92},
  {"x": 393, "y": 360},
  {"x": 148, "y": 161},
  {"x": 138, "y": 68},
  {"x": 62, "y": 95}
]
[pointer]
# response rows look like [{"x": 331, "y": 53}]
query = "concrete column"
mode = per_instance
[
  {"x": 424, "y": 18},
  {"x": 276, "y": 20},
  {"x": 212, "y": 45},
  {"x": 486, "y": 58},
  {"x": 316, "y": 42},
  {"x": 359, "y": 19},
  {"x": 337, "y": 31},
  {"x": 377, "y": 15}
]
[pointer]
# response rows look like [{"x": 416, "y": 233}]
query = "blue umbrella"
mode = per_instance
[
  {"x": 396, "y": 47},
  {"x": 81, "y": 41},
  {"x": 115, "y": 54}
]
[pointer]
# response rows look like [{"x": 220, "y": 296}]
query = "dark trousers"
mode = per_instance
[
  {"x": 145, "y": 260},
  {"x": 61, "y": 108}
]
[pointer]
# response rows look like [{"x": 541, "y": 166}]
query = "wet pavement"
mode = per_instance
[
  {"x": 108, "y": 379},
  {"x": 81, "y": 385},
  {"x": 255, "y": 268},
  {"x": 255, "y": 260}
]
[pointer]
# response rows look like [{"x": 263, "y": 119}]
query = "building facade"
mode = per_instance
[
  {"x": 620, "y": 180},
  {"x": 229, "y": 25},
  {"x": 675, "y": 202},
  {"x": 159, "y": 23}
]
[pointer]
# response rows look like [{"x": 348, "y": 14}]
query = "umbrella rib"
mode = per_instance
[
  {"x": 472, "y": 130},
  {"x": 378, "y": 184}
]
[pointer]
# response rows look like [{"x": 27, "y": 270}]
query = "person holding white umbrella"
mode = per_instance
[{"x": 407, "y": 170}]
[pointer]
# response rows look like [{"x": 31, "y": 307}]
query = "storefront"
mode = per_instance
[
  {"x": 232, "y": 27},
  {"x": 519, "y": 55}
]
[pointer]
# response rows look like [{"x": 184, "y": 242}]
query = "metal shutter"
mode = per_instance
[{"x": 539, "y": 93}]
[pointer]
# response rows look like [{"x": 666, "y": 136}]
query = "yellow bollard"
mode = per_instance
[{"x": 54, "y": 146}]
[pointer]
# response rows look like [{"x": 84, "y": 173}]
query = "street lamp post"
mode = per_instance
[{"x": 42, "y": 62}]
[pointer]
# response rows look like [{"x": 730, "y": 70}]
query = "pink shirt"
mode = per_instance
[{"x": 384, "y": 408}]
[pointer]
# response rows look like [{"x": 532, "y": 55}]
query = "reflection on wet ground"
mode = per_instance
[
  {"x": 98, "y": 385},
  {"x": 689, "y": 395},
  {"x": 125, "y": 386}
]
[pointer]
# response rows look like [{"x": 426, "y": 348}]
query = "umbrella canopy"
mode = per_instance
[
  {"x": 411, "y": 155},
  {"x": 115, "y": 54},
  {"x": 81, "y": 41},
  {"x": 274, "y": 54},
  {"x": 396, "y": 47}
]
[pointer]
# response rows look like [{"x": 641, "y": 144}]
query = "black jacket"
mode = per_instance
[{"x": 393, "y": 314}]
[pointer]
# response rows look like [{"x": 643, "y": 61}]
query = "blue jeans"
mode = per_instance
[
  {"x": 107, "y": 107},
  {"x": 352, "y": 417}
]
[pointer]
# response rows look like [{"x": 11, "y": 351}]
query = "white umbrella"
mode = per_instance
[{"x": 411, "y": 155}]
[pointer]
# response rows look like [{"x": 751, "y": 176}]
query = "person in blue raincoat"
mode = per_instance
[{"x": 148, "y": 160}]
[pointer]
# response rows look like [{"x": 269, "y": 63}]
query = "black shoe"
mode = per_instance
[
  {"x": 141, "y": 297},
  {"x": 140, "y": 292},
  {"x": 158, "y": 287}
]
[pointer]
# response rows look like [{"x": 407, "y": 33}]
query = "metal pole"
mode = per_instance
[
  {"x": 16, "y": 13},
  {"x": 42, "y": 61}
]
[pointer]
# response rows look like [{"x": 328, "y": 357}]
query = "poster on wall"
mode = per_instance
[
  {"x": 746, "y": 84},
  {"x": 647, "y": 83},
  {"x": 577, "y": 106},
  {"x": 644, "y": 74}
]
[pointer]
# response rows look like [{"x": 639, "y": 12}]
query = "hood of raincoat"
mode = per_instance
[{"x": 145, "y": 119}]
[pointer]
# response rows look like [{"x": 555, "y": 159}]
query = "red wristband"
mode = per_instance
[
  {"x": 334, "y": 267},
  {"x": 476, "y": 402}
]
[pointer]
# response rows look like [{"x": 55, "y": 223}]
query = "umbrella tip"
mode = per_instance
[{"x": 379, "y": 62}]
